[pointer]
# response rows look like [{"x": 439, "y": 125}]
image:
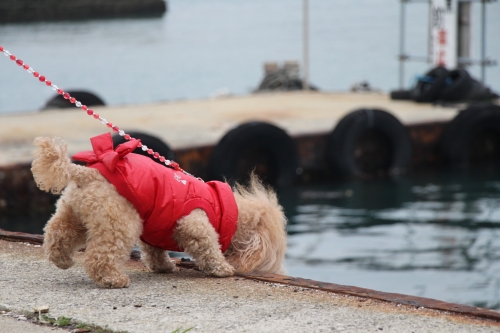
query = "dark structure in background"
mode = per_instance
[
  {"x": 282, "y": 78},
  {"x": 255, "y": 146},
  {"x": 440, "y": 85},
  {"x": 13, "y": 11},
  {"x": 85, "y": 97}
]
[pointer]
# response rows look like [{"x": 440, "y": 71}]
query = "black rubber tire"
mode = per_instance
[
  {"x": 459, "y": 88},
  {"x": 86, "y": 98},
  {"x": 151, "y": 141},
  {"x": 258, "y": 146},
  {"x": 427, "y": 92},
  {"x": 459, "y": 143},
  {"x": 401, "y": 95},
  {"x": 387, "y": 150}
]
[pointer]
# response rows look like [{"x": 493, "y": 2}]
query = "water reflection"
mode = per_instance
[{"x": 433, "y": 235}]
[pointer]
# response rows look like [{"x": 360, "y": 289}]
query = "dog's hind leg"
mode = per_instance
[
  {"x": 63, "y": 235},
  {"x": 113, "y": 227},
  {"x": 157, "y": 259},
  {"x": 196, "y": 236}
]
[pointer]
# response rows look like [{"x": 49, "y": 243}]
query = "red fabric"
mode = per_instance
[{"x": 161, "y": 195}]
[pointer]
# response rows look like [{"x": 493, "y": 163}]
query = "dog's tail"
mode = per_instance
[
  {"x": 52, "y": 169},
  {"x": 259, "y": 243}
]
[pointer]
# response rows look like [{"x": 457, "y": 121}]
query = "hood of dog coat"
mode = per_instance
[{"x": 160, "y": 194}]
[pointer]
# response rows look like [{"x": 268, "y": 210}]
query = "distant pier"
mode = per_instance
[
  {"x": 287, "y": 138},
  {"x": 14, "y": 11}
]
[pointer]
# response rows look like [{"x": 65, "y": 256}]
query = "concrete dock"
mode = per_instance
[
  {"x": 188, "y": 299},
  {"x": 185, "y": 124},
  {"x": 193, "y": 128}
]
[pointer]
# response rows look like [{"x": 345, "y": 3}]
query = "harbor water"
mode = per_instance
[{"x": 433, "y": 235}]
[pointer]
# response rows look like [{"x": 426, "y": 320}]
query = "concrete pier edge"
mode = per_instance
[{"x": 408, "y": 300}]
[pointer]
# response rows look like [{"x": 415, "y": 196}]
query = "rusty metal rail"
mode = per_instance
[
  {"x": 21, "y": 237},
  {"x": 428, "y": 303}
]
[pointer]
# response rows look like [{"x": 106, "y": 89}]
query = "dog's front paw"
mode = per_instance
[
  {"x": 116, "y": 282},
  {"x": 62, "y": 263},
  {"x": 222, "y": 270},
  {"x": 167, "y": 266}
]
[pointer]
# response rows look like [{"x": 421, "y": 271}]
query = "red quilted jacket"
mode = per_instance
[{"x": 161, "y": 195}]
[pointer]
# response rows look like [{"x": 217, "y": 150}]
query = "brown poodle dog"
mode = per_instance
[{"x": 92, "y": 214}]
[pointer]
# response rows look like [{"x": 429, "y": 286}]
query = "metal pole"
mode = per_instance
[
  {"x": 464, "y": 29},
  {"x": 429, "y": 34},
  {"x": 305, "y": 36},
  {"x": 483, "y": 41},
  {"x": 402, "y": 44}
]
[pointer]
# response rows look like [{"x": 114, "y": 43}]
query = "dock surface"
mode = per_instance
[
  {"x": 187, "y": 124},
  {"x": 188, "y": 299}
]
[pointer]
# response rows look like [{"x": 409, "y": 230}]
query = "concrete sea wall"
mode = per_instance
[
  {"x": 21, "y": 200},
  {"x": 287, "y": 138}
]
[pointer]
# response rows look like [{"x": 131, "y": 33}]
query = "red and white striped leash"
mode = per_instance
[{"x": 172, "y": 164}]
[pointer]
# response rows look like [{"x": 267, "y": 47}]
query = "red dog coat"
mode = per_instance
[{"x": 161, "y": 195}]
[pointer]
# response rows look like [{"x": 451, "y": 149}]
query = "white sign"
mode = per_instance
[{"x": 444, "y": 25}]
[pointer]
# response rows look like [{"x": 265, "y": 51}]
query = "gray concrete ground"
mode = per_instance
[
  {"x": 188, "y": 299},
  {"x": 10, "y": 324}
]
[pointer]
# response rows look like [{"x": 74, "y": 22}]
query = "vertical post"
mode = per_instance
[
  {"x": 402, "y": 44},
  {"x": 483, "y": 41},
  {"x": 444, "y": 18},
  {"x": 463, "y": 40},
  {"x": 305, "y": 46},
  {"x": 429, "y": 35}
]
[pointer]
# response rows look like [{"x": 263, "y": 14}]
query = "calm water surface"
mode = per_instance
[{"x": 433, "y": 235}]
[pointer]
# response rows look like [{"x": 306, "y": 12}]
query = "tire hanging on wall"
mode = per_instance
[
  {"x": 473, "y": 136},
  {"x": 86, "y": 98},
  {"x": 368, "y": 142},
  {"x": 151, "y": 141},
  {"x": 258, "y": 146}
]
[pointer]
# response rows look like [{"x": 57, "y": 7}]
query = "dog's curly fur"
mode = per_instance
[{"x": 90, "y": 213}]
